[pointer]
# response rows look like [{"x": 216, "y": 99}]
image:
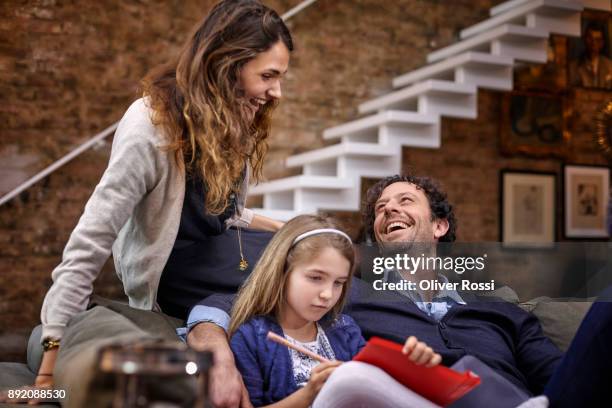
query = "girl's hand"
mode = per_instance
[
  {"x": 318, "y": 376},
  {"x": 420, "y": 353}
]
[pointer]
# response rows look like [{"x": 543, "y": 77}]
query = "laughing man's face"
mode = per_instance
[{"x": 402, "y": 214}]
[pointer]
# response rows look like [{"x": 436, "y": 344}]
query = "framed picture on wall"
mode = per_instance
[
  {"x": 603, "y": 129},
  {"x": 527, "y": 208},
  {"x": 586, "y": 195},
  {"x": 535, "y": 124},
  {"x": 590, "y": 56}
]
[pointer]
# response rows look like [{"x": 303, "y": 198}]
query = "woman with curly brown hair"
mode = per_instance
[{"x": 178, "y": 174}]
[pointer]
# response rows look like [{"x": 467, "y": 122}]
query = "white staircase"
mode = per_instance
[{"x": 410, "y": 115}]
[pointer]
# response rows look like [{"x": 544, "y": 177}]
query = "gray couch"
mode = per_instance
[
  {"x": 559, "y": 319},
  {"x": 16, "y": 374}
]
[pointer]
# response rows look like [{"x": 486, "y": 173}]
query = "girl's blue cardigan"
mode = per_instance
[{"x": 266, "y": 366}]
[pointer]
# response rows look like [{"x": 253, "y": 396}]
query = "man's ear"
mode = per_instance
[{"x": 441, "y": 227}]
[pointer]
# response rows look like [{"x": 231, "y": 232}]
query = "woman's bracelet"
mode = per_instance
[{"x": 44, "y": 375}]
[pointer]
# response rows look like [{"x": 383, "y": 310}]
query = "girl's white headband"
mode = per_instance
[{"x": 320, "y": 231}]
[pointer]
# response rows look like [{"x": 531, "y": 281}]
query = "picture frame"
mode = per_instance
[
  {"x": 594, "y": 44},
  {"x": 586, "y": 195},
  {"x": 603, "y": 129},
  {"x": 528, "y": 207},
  {"x": 535, "y": 124}
]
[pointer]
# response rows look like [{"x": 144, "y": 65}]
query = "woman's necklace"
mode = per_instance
[{"x": 243, "y": 265}]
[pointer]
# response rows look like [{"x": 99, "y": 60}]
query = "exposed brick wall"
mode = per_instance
[
  {"x": 469, "y": 162},
  {"x": 68, "y": 70}
]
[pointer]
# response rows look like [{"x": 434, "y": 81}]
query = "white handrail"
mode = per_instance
[
  {"x": 297, "y": 9},
  {"x": 56, "y": 165},
  {"x": 100, "y": 136}
]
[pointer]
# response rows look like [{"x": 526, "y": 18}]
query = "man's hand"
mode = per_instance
[{"x": 225, "y": 388}]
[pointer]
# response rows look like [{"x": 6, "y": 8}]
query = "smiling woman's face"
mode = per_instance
[{"x": 260, "y": 78}]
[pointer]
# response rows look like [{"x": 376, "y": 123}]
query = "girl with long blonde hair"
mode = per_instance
[{"x": 297, "y": 290}]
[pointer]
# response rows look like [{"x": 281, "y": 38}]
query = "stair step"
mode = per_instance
[
  {"x": 410, "y": 116},
  {"x": 303, "y": 181},
  {"x": 590, "y": 4},
  {"x": 522, "y": 13},
  {"x": 341, "y": 149},
  {"x": 507, "y": 5},
  {"x": 494, "y": 71},
  {"x": 445, "y": 92},
  {"x": 519, "y": 42},
  {"x": 308, "y": 193},
  {"x": 370, "y": 124}
]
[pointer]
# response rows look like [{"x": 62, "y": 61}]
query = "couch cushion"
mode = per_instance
[
  {"x": 560, "y": 319},
  {"x": 35, "y": 350},
  {"x": 14, "y": 375},
  {"x": 504, "y": 293}
]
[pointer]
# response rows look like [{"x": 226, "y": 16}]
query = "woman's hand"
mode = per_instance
[
  {"x": 44, "y": 381},
  {"x": 20, "y": 395},
  {"x": 47, "y": 365},
  {"x": 318, "y": 376},
  {"x": 420, "y": 353},
  {"x": 260, "y": 222}
]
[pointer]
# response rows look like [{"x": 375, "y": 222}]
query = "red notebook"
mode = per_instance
[{"x": 439, "y": 384}]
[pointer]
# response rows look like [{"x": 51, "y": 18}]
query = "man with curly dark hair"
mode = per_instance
[
  {"x": 499, "y": 341},
  {"x": 409, "y": 214},
  {"x": 437, "y": 199}
]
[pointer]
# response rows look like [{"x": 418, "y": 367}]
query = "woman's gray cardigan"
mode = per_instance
[{"x": 136, "y": 211}]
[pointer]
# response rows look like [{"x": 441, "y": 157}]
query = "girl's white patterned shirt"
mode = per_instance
[{"x": 302, "y": 364}]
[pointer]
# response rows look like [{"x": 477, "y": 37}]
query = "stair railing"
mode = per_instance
[{"x": 103, "y": 135}]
